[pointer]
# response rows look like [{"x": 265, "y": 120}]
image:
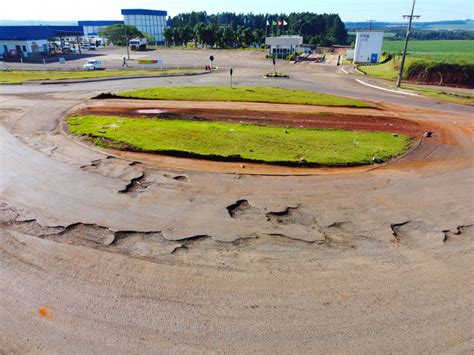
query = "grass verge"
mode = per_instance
[
  {"x": 243, "y": 94},
  {"x": 238, "y": 142},
  {"x": 387, "y": 70},
  {"x": 21, "y": 76},
  {"x": 443, "y": 95}
]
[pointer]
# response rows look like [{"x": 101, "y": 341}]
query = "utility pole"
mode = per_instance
[
  {"x": 370, "y": 24},
  {"x": 127, "y": 43},
  {"x": 407, "y": 37}
]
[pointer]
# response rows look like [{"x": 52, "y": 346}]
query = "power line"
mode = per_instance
[{"x": 407, "y": 38}]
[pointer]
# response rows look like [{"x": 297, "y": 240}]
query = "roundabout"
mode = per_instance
[{"x": 117, "y": 251}]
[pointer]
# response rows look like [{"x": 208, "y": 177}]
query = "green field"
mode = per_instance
[
  {"x": 444, "y": 50},
  {"x": 223, "y": 141},
  {"x": 21, "y": 76},
  {"x": 243, "y": 94}
]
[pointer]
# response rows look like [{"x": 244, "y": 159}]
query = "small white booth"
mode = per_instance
[{"x": 368, "y": 47}]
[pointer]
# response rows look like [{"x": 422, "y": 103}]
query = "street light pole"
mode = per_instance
[
  {"x": 127, "y": 43},
  {"x": 301, "y": 28},
  {"x": 407, "y": 37},
  {"x": 293, "y": 26}
]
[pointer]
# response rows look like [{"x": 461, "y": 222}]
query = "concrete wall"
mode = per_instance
[
  {"x": 349, "y": 54},
  {"x": 368, "y": 47}
]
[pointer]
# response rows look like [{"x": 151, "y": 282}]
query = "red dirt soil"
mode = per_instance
[{"x": 336, "y": 120}]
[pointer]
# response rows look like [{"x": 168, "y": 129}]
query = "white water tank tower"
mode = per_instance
[{"x": 368, "y": 47}]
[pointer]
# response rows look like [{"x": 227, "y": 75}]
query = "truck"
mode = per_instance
[{"x": 138, "y": 44}]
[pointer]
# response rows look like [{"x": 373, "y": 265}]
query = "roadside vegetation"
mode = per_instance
[
  {"x": 243, "y": 94},
  {"x": 21, "y": 76},
  {"x": 238, "y": 142},
  {"x": 447, "y": 62},
  {"x": 443, "y": 95}
]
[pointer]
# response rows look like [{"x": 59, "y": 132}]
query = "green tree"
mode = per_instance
[
  {"x": 120, "y": 34},
  {"x": 150, "y": 38},
  {"x": 169, "y": 36},
  {"x": 187, "y": 35}
]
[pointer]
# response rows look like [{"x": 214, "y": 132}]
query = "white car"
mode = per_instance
[{"x": 93, "y": 64}]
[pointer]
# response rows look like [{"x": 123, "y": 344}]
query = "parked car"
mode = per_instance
[
  {"x": 67, "y": 49},
  {"x": 86, "y": 46},
  {"x": 93, "y": 64},
  {"x": 92, "y": 47}
]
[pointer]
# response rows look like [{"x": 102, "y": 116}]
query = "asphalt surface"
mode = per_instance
[{"x": 112, "y": 255}]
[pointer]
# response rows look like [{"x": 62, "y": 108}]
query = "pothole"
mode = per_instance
[
  {"x": 136, "y": 186},
  {"x": 237, "y": 209}
]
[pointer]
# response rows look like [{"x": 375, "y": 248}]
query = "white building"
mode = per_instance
[
  {"x": 368, "y": 47},
  {"x": 283, "y": 45},
  {"x": 152, "y": 22},
  {"x": 349, "y": 54}
]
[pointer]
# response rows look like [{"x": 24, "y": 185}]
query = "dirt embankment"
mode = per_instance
[{"x": 459, "y": 75}]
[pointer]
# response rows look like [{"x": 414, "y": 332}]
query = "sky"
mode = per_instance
[{"x": 349, "y": 10}]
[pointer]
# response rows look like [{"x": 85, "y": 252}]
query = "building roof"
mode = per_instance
[
  {"x": 98, "y": 23},
  {"x": 284, "y": 41},
  {"x": 144, "y": 12},
  {"x": 24, "y": 33}
]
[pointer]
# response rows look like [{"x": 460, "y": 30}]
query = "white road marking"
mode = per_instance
[
  {"x": 344, "y": 70},
  {"x": 385, "y": 89}
]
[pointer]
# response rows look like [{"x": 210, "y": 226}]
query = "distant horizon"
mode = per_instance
[
  {"x": 383, "y": 11},
  {"x": 71, "y": 22}
]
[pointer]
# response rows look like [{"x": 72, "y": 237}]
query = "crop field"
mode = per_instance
[
  {"x": 240, "y": 142},
  {"x": 243, "y": 94},
  {"x": 444, "y": 50}
]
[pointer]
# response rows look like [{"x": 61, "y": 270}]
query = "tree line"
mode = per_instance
[
  {"x": 435, "y": 35},
  {"x": 230, "y": 30}
]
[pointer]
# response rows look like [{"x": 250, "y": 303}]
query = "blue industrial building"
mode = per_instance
[
  {"x": 92, "y": 28},
  {"x": 28, "y": 41},
  {"x": 33, "y": 40},
  {"x": 152, "y": 22}
]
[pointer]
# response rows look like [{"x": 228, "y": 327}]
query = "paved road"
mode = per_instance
[{"x": 102, "y": 254}]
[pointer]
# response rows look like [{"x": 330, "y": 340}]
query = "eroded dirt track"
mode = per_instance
[{"x": 125, "y": 253}]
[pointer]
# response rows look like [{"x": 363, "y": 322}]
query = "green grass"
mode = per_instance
[
  {"x": 21, "y": 76},
  {"x": 390, "y": 70},
  {"x": 216, "y": 140},
  {"x": 243, "y": 94},
  {"x": 443, "y": 95},
  {"x": 386, "y": 70}
]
